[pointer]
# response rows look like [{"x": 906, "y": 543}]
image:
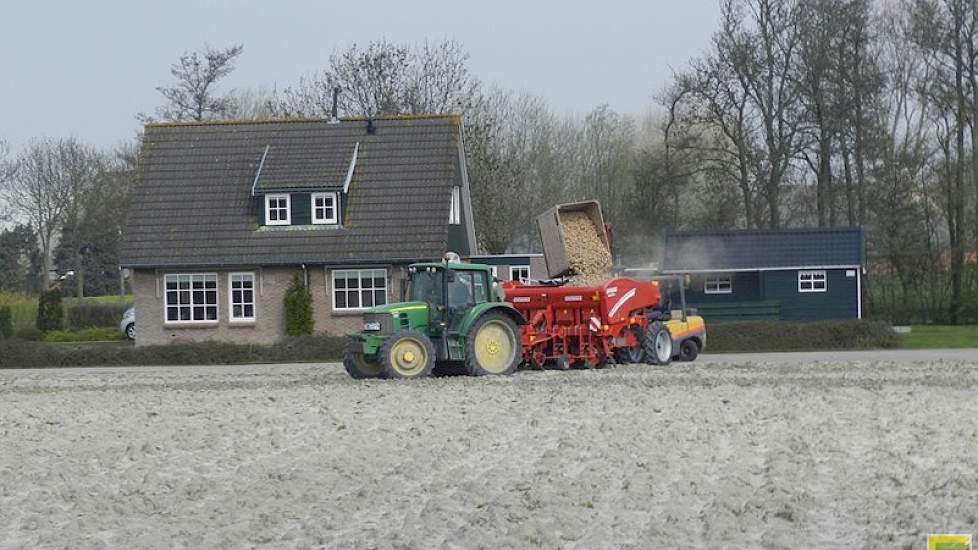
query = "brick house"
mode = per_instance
[{"x": 226, "y": 213}]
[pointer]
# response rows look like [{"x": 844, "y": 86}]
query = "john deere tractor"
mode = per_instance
[{"x": 455, "y": 314}]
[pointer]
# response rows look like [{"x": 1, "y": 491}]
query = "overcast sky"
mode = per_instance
[{"x": 85, "y": 69}]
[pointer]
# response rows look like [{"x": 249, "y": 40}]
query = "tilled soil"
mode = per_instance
[{"x": 823, "y": 455}]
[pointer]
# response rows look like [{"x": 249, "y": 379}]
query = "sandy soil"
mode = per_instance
[{"x": 846, "y": 455}]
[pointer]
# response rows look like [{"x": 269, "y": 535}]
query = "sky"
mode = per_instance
[{"x": 85, "y": 69}]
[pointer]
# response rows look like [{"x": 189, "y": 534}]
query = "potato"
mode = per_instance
[{"x": 586, "y": 252}]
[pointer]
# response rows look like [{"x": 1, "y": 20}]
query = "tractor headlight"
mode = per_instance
[{"x": 371, "y": 326}]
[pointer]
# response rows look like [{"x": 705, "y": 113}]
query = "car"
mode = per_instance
[{"x": 127, "y": 325}]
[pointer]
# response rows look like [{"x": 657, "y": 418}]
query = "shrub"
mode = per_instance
[
  {"x": 298, "y": 308},
  {"x": 93, "y": 314},
  {"x": 764, "y": 336},
  {"x": 50, "y": 312},
  {"x": 6, "y": 322},
  {"x": 98, "y": 334},
  {"x": 30, "y": 334},
  {"x": 23, "y": 309},
  {"x": 22, "y": 354}
]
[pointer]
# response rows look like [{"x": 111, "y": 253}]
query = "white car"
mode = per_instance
[{"x": 128, "y": 323}]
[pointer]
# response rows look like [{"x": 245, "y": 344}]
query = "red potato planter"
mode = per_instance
[{"x": 585, "y": 326}]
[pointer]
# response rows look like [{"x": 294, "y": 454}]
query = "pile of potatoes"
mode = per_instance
[{"x": 586, "y": 253}]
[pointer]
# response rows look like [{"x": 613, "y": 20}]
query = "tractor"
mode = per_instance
[{"x": 455, "y": 314}]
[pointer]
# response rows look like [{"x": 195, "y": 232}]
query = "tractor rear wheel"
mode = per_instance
[
  {"x": 633, "y": 354},
  {"x": 407, "y": 354},
  {"x": 657, "y": 344},
  {"x": 688, "y": 350},
  {"x": 493, "y": 346},
  {"x": 356, "y": 364}
]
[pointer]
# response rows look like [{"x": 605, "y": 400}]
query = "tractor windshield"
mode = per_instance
[{"x": 426, "y": 286}]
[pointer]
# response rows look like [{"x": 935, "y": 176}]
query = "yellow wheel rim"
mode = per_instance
[
  {"x": 408, "y": 356},
  {"x": 495, "y": 347}
]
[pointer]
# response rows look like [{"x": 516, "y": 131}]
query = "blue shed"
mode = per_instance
[{"x": 790, "y": 274}]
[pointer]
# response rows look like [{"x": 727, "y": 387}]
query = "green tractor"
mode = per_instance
[{"x": 455, "y": 315}]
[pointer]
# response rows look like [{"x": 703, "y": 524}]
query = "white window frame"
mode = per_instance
[
  {"x": 718, "y": 284},
  {"x": 335, "y": 206},
  {"x": 360, "y": 289},
  {"x": 514, "y": 268},
  {"x": 288, "y": 209},
  {"x": 495, "y": 271},
  {"x": 254, "y": 298},
  {"x": 455, "y": 211},
  {"x": 166, "y": 305},
  {"x": 811, "y": 278}
]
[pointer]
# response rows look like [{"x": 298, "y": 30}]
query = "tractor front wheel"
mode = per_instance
[
  {"x": 407, "y": 354},
  {"x": 356, "y": 363},
  {"x": 657, "y": 344},
  {"x": 493, "y": 346}
]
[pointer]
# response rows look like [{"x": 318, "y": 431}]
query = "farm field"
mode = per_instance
[{"x": 861, "y": 454}]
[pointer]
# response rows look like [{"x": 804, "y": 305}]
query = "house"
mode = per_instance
[
  {"x": 226, "y": 213},
  {"x": 791, "y": 274}
]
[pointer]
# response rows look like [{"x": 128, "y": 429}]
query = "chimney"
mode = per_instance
[{"x": 336, "y": 98}]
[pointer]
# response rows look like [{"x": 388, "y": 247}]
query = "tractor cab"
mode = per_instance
[{"x": 454, "y": 314}]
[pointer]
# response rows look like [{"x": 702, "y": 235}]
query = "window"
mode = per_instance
[
  {"x": 495, "y": 271},
  {"x": 811, "y": 281},
  {"x": 324, "y": 208},
  {"x": 519, "y": 273},
  {"x": 277, "y": 210},
  {"x": 455, "y": 212},
  {"x": 241, "y": 296},
  {"x": 191, "y": 298},
  {"x": 466, "y": 288},
  {"x": 359, "y": 288},
  {"x": 718, "y": 284}
]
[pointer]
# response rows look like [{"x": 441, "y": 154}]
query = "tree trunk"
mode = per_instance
[
  {"x": 79, "y": 274},
  {"x": 847, "y": 167}
]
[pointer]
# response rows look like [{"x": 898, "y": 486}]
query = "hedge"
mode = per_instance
[
  {"x": 50, "y": 311},
  {"x": 92, "y": 315},
  {"x": 93, "y": 334},
  {"x": 15, "y": 353},
  {"x": 766, "y": 336},
  {"x": 6, "y": 322}
]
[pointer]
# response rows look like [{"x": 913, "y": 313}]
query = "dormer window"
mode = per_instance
[
  {"x": 325, "y": 208},
  {"x": 277, "y": 210}
]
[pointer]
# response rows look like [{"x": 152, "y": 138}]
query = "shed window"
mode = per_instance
[
  {"x": 355, "y": 289},
  {"x": 241, "y": 296},
  {"x": 277, "y": 210},
  {"x": 519, "y": 273},
  {"x": 324, "y": 210},
  {"x": 190, "y": 297},
  {"x": 811, "y": 281},
  {"x": 718, "y": 284}
]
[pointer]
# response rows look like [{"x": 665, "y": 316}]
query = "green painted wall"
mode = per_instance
[
  {"x": 839, "y": 301},
  {"x": 746, "y": 287}
]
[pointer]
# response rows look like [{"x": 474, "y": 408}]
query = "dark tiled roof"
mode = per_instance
[
  {"x": 193, "y": 204},
  {"x": 761, "y": 249},
  {"x": 303, "y": 166}
]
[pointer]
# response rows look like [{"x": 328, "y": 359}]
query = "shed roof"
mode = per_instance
[
  {"x": 748, "y": 250},
  {"x": 193, "y": 202}
]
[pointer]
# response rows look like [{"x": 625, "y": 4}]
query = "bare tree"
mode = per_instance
[
  {"x": 387, "y": 78},
  {"x": 193, "y": 96},
  {"x": 46, "y": 187}
]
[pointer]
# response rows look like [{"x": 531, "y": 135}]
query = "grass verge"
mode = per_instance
[
  {"x": 940, "y": 336},
  {"x": 15, "y": 353}
]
